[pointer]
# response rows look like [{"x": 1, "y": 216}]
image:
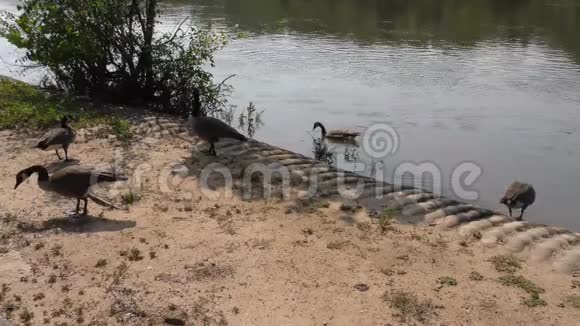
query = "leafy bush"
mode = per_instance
[{"x": 109, "y": 49}]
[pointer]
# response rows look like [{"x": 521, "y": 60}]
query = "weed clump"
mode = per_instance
[
  {"x": 447, "y": 280},
  {"x": 130, "y": 197},
  {"x": 506, "y": 263},
  {"x": 475, "y": 276},
  {"x": 521, "y": 282},
  {"x": 409, "y": 306}
]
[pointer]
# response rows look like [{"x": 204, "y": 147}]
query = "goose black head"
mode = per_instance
[
  {"x": 21, "y": 177},
  {"x": 322, "y": 129},
  {"x": 26, "y": 173},
  {"x": 66, "y": 120},
  {"x": 318, "y": 125}
]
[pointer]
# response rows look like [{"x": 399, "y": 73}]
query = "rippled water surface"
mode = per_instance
[{"x": 492, "y": 82}]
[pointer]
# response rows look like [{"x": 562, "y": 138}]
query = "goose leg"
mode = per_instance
[
  {"x": 522, "y": 212},
  {"x": 57, "y": 154},
  {"x": 510, "y": 209},
  {"x": 65, "y": 148},
  {"x": 212, "y": 149},
  {"x": 85, "y": 211},
  {"x": 78, "y": 206}
]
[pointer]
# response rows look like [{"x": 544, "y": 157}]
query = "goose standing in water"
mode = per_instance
[
  {"x": 72, "y": 182},
  {"x": 337, "y": 134},
  {"x": 210, "y": 129},
  {"x": 519, "y": 195},
  {"x": 58, "y": 138}
]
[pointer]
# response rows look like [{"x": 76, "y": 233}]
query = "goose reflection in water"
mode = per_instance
[{"x": 348, "y": 152}]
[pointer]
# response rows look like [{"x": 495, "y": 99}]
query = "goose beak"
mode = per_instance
[{"x": 17, "y": 184}]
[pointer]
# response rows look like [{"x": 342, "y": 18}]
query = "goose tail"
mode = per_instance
[
  {"x": 41, "y": 144},
  {"x": 240, "y": 137},
  {"x": 110, "y": 177},
  {"x": 103, "y": 202}
]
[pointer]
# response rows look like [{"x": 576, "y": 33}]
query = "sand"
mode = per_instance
[{"x": 178, "y": 257}]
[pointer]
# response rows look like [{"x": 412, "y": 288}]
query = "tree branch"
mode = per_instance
[
  {"x": 177, "y": 30},
  {"x": 219, "y": 86}
]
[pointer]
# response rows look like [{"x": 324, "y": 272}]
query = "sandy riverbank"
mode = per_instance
[{"x": 174, "y": 257}]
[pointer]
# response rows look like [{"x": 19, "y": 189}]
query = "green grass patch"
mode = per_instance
[
  {"x": 386, "y": 220},
  {"x": 409, "y": 307},
  {"x": 534, "y": 301},
  {"x": 26, "y": 106},
  {"x": 130, "y": 197},
  {"x": 521, "y": 282},
  {"x": 506, "y": 263},
  {"x": 122, "y": 129}
]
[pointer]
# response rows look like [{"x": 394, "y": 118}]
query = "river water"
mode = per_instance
[{"x": 491, "y": 83}]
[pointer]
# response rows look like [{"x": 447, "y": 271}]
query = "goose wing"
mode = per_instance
[
  {"x": 212, "y": 128},
  {"x": 75, "y": 181},
  {"x": 56, "y": 136},
  {"x": 103, "y": 202},
  {"x": 343, "y": 133},
  {"x": 515, "y": 190}
]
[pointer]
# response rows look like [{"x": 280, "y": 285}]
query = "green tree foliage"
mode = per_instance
[{"x": 111, "y": 49}]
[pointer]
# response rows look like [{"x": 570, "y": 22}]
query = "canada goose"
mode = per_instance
[
  {"x": 72, "y": 181},
  {"x": 210, "y": 129},
  {"x": 58, "y": 137},
  {"x": 338, "y": 134},
  {"x": 519, "y": 195}
]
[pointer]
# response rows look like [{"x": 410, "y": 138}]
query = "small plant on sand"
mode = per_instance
[
  {"x": 387, "y": 271},
  {"x": 410, "y": 307},
  {"x": 122, "y": 129},
  {"x": 573, "y": 301},
  {"x": 364, "y": 227},
  {"x": 312, "y": 206},
  {"x": 526, "y": 285},
  {"x": 475, "y": 276},
  {"x": 38, "y": 296},
  {"x": 101, "y": 263},
  {"x": 130, "y": 197},
  {"x": 56, "y": 250},
  {"x": 337, "y": 244},
  {"x": 506, "y": 263},
  {"x": 447, "y": 280},
  {"x": 386, "y": 220},
  {"x": 38, "y": 245},
  {"x": 3, "y": 291},
  {"x": 534, "y": 301},
  {"x": 520, "y": 282},
  {"x": 26, "y": 316},
  {"x": 134, "y": 255},
  {"x": 118, "y": 275},
  {"x": 208, "y": 271},
  {"x": 51, "y": 279}
]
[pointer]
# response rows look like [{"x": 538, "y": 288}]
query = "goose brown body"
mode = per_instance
[
  {"x": 336, "y": 134},
  {"x": 519, "y": 195},
  {"x": 211, "y": 129},
  {"x": 58, "y": 138},
  {"x": 72, "y": 182}
]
